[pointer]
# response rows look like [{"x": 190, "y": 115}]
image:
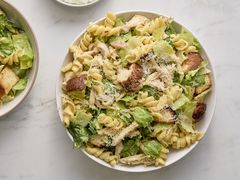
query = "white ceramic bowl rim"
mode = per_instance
[
  {"x": 8, "y": 107},
  {"x": 77, "y": 5},
  {"x": 211, "y": 102}
]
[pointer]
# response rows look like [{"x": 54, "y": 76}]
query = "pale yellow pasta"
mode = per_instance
[
  {"x": 161, "y": 159},
  {"x": 104, "y": 155},
  {"x": 135, "y": 54},
  {"x": 149, "y": 27},
  {"x": 185, "y": 140},
  {"x": 147, "y": 101},
  {"x": 109, "y": 71},
  {"x": 76, "y": 66},
  {"x": 85, "y": 41},
  {"x": 103, "y": 31},
  {"x": 67, "y": 67},
  {"x": 108, "y": 121},
  {"x": 110, "y": 19},
  {"x": 11, "y": 59}
]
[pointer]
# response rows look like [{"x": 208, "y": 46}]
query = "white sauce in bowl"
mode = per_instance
[{"x": 80, "y": 2}]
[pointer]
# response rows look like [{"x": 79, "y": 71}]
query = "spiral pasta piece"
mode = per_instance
[
  {"x": 149, "y": 27},
  {"x": 135, "y": 54},
  {"x": 68, "y": 110},
  {"x": 104, "y": 155},
  {"x": 109, "y": 121},
  {"x": 182, "y": 45},
  {"x": 185, "y": 140},
  {"x": 161, "y": 159},
  {"x": 147, "y": 101},
  {"x": 110, "y": 20},
  {"x": 167, "y": 136},
  {"x": 109, "y": 71},
  {"x": 102, "y": 31},
  {"x": 85, "y": 41}
]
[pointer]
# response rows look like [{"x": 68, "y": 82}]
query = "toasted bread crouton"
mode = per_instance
[
  {"x": 205, "y": 86},
  {"x": 77, "y": 83},
  {"x": 192, "y": 62},
  {"x": 7, "y": 80},
  {"x": 199, "y": 111},
  {"x": 130, "y": 79}
]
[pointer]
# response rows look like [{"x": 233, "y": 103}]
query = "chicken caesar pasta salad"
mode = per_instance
[
  {"x": 16, "y": 57},
  {"x": 133, "y": 90}
]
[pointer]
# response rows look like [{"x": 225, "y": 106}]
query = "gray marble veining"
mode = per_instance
[{"x": 33, "y": 143}]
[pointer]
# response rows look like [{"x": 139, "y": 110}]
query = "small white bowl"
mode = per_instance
[
  {"x": 17, "y": 17},
  {"x": 77, "y": 5},
  {"x": 173, "y": 155}
]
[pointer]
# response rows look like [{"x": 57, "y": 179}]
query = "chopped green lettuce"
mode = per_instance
[
  {"x": 170, "y": 30},
  {"x": 152, "y": 148},
  {"x": 186, "y": 123},
  {"x": 94, "y": 125},
  {"x": 187, "y": 36},
  {"x": 120, "y": 21},
  {"x": 80, "y": 134},
  {"x": 163, "y": 50},
  {"x": 196, "y": 77},
  {"x": 179, "y": 102},
  {"x": 142, "y": 116},
  {"x": 158, "y": 33},
  {"x": 128, "y": 98},
  {"x": 151, "y": 91},
  {"x": 22, "y": 44},
  {"x": 6, "y": 46},
  {"x": 76, "y": 94},
  {"x": 159, "y": 127},
  {"x": 82, "y": 118},
  {"x": 130, "y": 147},
  {"x": 21, "y": 85}
]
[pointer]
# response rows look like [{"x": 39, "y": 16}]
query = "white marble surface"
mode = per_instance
[{"x": 34, "y": 145}]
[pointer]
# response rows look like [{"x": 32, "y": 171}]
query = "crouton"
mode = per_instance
[
  {"x": 199, "y": 111},
  {"x": 7, "y": 80},
  {"x": 130, "y": 79},
  {"x": 192, "y": 62},
  {"x": 77, "y": 83}
]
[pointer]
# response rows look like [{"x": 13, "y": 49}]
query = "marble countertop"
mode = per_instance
[{"x": 33, "y": 143}]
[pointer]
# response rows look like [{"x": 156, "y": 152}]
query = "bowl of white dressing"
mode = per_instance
[{"x": 77, "y": 3}]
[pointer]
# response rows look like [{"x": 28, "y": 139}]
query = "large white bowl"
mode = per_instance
[
  {"x": 14, "y": 15},
  {"x": 174, "y": 155}
]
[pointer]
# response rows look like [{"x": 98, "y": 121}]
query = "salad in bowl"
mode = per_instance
[{"x": 133, "y": 89}]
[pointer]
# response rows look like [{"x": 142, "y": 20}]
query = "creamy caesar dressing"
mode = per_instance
[{"x": 79, "y": 1}]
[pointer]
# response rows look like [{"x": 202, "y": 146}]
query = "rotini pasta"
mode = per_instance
[
  {"x": 104, "y": 155},
  {"x": 110, "y": 19},
  {"x": 109, "y": 121}
]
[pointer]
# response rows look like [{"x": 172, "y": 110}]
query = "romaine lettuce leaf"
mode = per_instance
[
  {"x": 6, "y": 46},
  {"x": 21, "y": 85},
  {"x": 187, "y": 36},
  {"x": 130, "y": 147},
  {"x": 142, "y": 116},
  {"x": 22, "y": 44},
  {"x": 179, "y": 102},
  {"x": 82, "y": 118},
  {"x": 152, "y": 148},
  {"x": 93, "y": 126},
  {"x": 80, "y": 134}
]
